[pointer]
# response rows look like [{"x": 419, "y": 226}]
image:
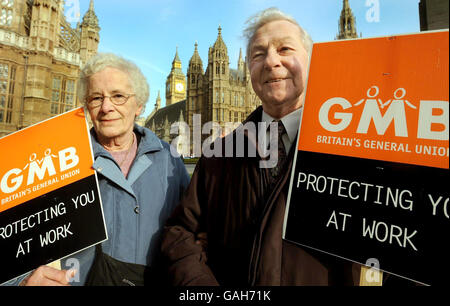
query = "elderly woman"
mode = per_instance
[{"x": 140, "y": 181}]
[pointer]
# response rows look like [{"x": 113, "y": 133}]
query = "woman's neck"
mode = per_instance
[{"x": 118, "y": 143}]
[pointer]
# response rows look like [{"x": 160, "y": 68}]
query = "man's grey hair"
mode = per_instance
[
  {"x": 100, "y": 61},
  {"x": 268, "y": 15}
]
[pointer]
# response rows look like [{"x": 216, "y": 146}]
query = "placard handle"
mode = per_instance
[{"x": 370, "y": 277}]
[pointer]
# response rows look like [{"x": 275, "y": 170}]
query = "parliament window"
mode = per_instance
[
  {"x": 6, "y": 12},
  {"x": 69, "y": 95},
  {"x": 7, "y": 84},
  {"x": 63, "y": 95}
]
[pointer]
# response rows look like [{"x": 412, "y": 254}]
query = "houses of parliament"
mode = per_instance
[
  {"x": 41, "y": 56},
  {"x": 40, "y": 60},
  {"x": 220, "y": 94}
]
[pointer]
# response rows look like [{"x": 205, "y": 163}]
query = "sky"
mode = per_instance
[{"x": 148, "y": 32}]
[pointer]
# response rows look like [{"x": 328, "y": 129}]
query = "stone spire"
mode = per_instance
[
  {"x": 175, "y": 82},
  {"x": 90, "y": 19},
  {"x": 347, "y": 23},
  {"x": 195, "y": 57},
  {"x": 195, "y": 63},
  {"x": 166, "y": 130},
  {"x": 218, "y": 61},
  {"x": 220, "y": 44},
  {"x": 89, "y": 38},
  {"x": 181, "y": 117},
  {"x": 176, "y": 63},
  {"x": 158, "y": 101},
  {"x": 177, "y": 58},
  {"x": 241, "y": 63}
]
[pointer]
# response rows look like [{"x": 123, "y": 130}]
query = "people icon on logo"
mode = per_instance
[
  {"x": 47, "y": 155},
  {"x": 397, "y": 98}
]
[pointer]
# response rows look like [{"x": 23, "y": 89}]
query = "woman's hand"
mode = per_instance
[{"x": 47, "y": 276}]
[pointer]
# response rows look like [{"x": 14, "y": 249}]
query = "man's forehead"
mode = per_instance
[
  {"x": 263, "y": 41},
  {"x": 277, "y": 31}
]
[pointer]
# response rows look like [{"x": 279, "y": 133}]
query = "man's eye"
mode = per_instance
[
  {"x": 256, "y": 55},
  {"x": 96, "y": 98},
  {"x": 118, "y": 96}
]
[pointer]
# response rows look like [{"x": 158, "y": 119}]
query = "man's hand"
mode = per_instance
[{"x": 47, "y": 276}]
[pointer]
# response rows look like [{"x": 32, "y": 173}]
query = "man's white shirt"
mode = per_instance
[{"x": 291, "y": 122}]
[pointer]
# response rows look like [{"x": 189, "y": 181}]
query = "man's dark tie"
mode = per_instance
[{"x": 277, "y": 170}]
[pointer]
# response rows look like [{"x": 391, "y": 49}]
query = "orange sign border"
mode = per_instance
[
  {"x": 34, "y": 144},
  {"x": 377, "y": 72}
]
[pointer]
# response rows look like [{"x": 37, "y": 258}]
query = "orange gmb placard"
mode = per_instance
[
  {"x": 380, "y": 98},
  {"x": 44, "y": 157}
]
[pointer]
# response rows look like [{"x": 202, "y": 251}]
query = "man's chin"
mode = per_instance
[
  {"x": 275, "y": 101},
  {"x": 279, "y": 107}
]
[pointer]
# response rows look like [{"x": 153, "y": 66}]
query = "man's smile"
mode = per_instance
[{"x": 275, "y": 80}]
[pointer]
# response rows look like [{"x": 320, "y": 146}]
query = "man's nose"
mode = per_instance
[{"x": 272, "y": 59}]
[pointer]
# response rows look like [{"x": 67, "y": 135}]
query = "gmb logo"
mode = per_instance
[
  {"x": 431, "y": 114},
  {"x": 14, "y": 178}
]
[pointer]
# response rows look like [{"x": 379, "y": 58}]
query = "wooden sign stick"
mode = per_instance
[
  {"x": 56, "y": 265},
  {"x": 370, "y": 277}
]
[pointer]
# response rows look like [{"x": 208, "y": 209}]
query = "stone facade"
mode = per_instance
[
  {"x": 433, "y": 14},
  {"x": 219, "y": 94},
  {"x": 40, "y": 60}
]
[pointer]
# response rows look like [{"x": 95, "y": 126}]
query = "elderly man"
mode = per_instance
[{"x": 236, "y": 206}]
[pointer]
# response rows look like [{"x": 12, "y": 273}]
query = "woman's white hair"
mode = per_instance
[
  {"x": 100, "y": 61},
  {"x": 268, "y": 15}
]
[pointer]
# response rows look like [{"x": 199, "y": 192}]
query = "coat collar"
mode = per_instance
[
  {"x": 149, "y": 143},
  {"x": 105, "y": 164},
  {"x": 255, "y": 117}
]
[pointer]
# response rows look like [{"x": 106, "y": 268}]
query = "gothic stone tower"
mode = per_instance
[
  {"x": 195, "y": 100},
  {"x": 89, "y": 31},
  {"x": 221, "y": 94},
  {"x": 347, "y": 23},
  {"x": 40, "y": 59},
  {"x": 175, "y": 83}
]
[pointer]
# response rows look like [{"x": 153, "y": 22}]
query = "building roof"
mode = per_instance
[
  {"x": 171, "y": 112},
  {"x": 237, "y": 74}
]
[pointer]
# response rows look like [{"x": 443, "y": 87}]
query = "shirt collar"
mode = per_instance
[{"x": 291, "y": 122}]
